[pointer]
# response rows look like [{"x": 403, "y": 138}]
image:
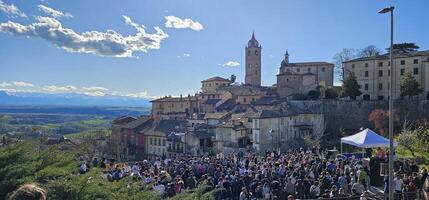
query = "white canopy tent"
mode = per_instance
[{"x": 365, "y": 139}]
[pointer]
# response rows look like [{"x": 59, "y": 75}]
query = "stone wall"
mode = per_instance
[{"x": 352, "y": 115}]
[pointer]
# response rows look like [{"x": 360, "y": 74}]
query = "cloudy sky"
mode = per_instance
[{"x": 155, "y": 48}]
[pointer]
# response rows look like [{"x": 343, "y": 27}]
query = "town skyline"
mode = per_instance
[{"x": 188, "y": 48}]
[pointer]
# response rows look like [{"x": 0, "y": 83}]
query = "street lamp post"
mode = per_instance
[
  {"x": 391, "y": 147},
  {"x": 272, "y": 138}
]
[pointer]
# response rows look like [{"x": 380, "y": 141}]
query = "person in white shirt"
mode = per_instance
[
  {"x": 398, "y": 183},
  {"x": 135, "y": 170}
]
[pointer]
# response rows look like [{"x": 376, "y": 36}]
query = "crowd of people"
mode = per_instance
[{"x": 296, "y": 174}]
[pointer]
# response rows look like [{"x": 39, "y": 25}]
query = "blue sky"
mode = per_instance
[{"x": 178, "y": 57}]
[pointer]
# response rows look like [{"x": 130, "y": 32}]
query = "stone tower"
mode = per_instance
[{"x": 253, "y": 62}]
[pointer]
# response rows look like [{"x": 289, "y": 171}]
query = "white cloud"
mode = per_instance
[
  {"x": 54, "y": 13},
  {"x": 95, "y": 88},
  {"x": 95, "y": 93},
  {"x": 54, "y": 88},
  {"x": 137, "y": 94},
  {"x": 175, "y": 22},
  {"x": 22, "y": 84},
  {"x": 109, "y": 43},
  {"x": 11, "y": 10},
  {"x": 184, "y": 55},
  {"x": 5, "y": 84},
  {"x": 230, "y": 64}
]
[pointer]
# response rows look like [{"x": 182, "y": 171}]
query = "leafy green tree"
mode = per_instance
[
  {"x": 350, "y": 87},
  {"x": 409, "y": 86},
  {"x": 314, "y": 94},
  {"x": 330, "y": 93},
  {"x": 404, "y": 47}
]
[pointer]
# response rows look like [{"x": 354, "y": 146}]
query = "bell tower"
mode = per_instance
[{"x": 253, "y": 62}]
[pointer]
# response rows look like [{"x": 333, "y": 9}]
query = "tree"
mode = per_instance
[
  {"x": 350, "y": 87},
  {"x": 314, "y": 94},
  {"x": 233, "y": 78},
  {"x": 409, "y": 86},
  {"x": 344, "y": 55},
  {"x": 330, "y": 93},
  {"x": 408, "y": 139},
  {"x": 404, "y": 47},
  {"x": 368, "y": 51},
  {"x": 380, "y": 119}
]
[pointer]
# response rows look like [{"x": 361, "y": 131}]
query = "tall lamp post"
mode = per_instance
[
  {"x": 391, "y": 148},
  {"x": 271, "y": 131}
]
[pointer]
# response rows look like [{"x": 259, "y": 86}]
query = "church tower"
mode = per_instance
[{"x": 253, "y": 62}]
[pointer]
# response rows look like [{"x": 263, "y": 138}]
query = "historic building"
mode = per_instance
[
  {"x": 212, "y": 84},
  {"x": 253, "y": 62},
  {"x": 301, "y": 77},
  {"x": 373, "y": 73},
  {"x": 174, "y": 107}
]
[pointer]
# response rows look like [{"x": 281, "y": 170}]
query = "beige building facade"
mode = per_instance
[
  {"x": 373, "y": 73},
  {"x": 301, "y": 77}
]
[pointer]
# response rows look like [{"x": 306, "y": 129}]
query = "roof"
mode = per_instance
[
  {"x": 123, "y": 120},
  {"x": 227, "y": 105},
  {"x": 285, "y": 111},
  {"x": 216, "y": 78},
  {"x": 216, "y": 115},
  {"x": 169, "y": 125},
  {"x": 253, "y": 42},
  {"x": 139, "y": 124},
  {"x": 366, "y": 139},
  {"x": 244, "y": 90},
  {"x": 305, "y": 64},
  {"x": 201, "y": 131},
  {"x": 175, "y": 99},
  {"x": 385, "y": 56}
]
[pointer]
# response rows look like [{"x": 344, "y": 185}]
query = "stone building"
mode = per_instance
[
  {"x": 156, "y": 138},
  {"x": 301, "y": 77},
  {"x": 373, "y": 73},
  {"x": 174, "y": 107},
  {"x": 253, "y": 62},
  {"x": 274, "y": 129},
  {"x": 212, "y": 84}
]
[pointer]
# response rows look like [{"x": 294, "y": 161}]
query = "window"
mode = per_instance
[
  {"x": 297, "y": 69},
  {"x": 380, "y": 73},
  {"x": 309, "y": 69},
  {"x": 380, "y": 86},
  {"x": 353, "y": 66},
  {"x": 416, "y": 71},
  {"x": 248, "y": 52},
  {"x": 216, "y": 83},
  {"x": 388, "y": 63},
  {"x": 388, "y": 72},
  {"x": 256, "y": 52},
  {"x": 172, "y": 105},
  {"x": 402, "y": 72},
  {"x": 366, "y": 86},
  {"x": 244, "y": 99},
  {"x": 380, "y": 64},
  {"x": 366, "y": 73},
  {"x": 416, "y": 61},
  {"x": 163, "y": 142},
  {"x": 323, "y": 69},
  {"x": 287, "y": 80},
  {"x": 366, "y": 64},
  {"x": 210, "y": 84},
  {"x": 151, "y": 141},
  {"x": 402, "y": 62}
]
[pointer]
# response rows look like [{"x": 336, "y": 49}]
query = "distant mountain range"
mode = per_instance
[{"x": 69, "y": 99}]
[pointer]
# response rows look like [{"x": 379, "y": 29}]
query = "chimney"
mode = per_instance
[{"x": 180, "y": 96}]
